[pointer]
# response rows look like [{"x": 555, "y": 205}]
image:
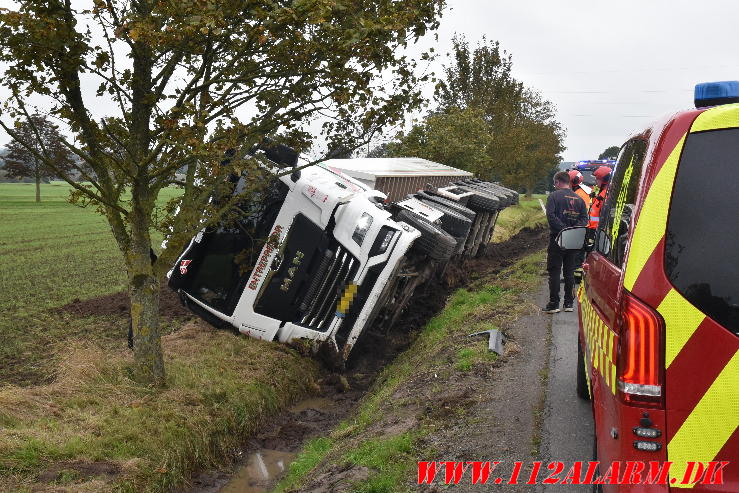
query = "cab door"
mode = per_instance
[{"x": 601, "y": 293}]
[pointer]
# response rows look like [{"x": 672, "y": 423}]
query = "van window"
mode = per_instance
[
  {"x": 615, "y": 216},
  {"x": 702, "y": 242}
]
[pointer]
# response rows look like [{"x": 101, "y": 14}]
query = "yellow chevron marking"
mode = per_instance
[
  {"x": 652, "y": 222},
  {"x": 681, "y": 321},
  {"x": 709, "y": 426},
  {"x": 724, "y": 116},
  {"x": 599, "y": 340}
]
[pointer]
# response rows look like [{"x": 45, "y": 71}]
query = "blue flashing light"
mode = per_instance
[{"x": 716, "y": 93}]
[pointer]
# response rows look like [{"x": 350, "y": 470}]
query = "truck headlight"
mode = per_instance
[{"x": 363, "y": 225}]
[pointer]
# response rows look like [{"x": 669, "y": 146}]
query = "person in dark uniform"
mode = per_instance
[{"x": 564, "y": 209}]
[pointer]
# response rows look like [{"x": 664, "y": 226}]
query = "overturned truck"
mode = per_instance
[{"x": 326, "y": 252}]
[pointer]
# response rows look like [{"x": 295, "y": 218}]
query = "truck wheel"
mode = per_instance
[
  {"x": 450, "y": 204},
  {"x": 582, "y": 382},
  {"x": 482, "y": 201},
  {"x": 453, "y": 223},
  {"x": 434, "y": 242},
  {"x": 510, "y": 195},
  {"x": 503, "y": 196}
]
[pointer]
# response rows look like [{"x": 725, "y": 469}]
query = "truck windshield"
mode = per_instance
[
  {"x": 702, "y": 243},
  {"x": 222, "y": 263}
]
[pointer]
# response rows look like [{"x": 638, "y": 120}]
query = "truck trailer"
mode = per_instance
[{"x": 325, "y": 252}]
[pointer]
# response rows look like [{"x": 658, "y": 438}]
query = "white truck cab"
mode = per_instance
[{"x": 322, "y": 254}]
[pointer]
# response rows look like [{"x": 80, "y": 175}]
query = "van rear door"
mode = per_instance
[{"x": 701, "y": 311}]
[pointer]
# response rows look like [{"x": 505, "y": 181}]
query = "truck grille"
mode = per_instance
[{"x": 318, "y": 307}]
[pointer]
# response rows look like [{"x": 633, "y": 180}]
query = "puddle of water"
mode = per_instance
[
  {"x": 261, "y": 469},
  {"x": 317, "y": 403}
]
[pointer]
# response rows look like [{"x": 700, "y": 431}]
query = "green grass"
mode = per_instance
[
  {"x": 392, "y": 459},
  {"x": 527, "y": 214},
  {"x": 51, "y": 253},
  {"x": 220, "y": 387}
]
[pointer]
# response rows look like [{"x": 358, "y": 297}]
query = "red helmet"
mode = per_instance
[
  {"x": 603, "y": 174},
  {"x": 575, "y": 177}
]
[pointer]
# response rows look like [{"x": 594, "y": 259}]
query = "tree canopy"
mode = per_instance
[
  {"x": 177, "y": 83},
  {"x": 610, "y": 153},
  {"x": 486, "y": 121},
  {"x": 45, "y": 137}
]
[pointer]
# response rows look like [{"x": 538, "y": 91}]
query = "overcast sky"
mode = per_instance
[{"x": 609, "y": 67}]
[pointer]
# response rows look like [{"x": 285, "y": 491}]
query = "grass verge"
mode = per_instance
[
  {"x": 527, "y": 214},
  {"x": 94, "y": 418},
  {"x": 389, "y": 451}
]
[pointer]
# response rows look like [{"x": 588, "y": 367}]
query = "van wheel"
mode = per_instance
[
  {"x": 582, "y": 379},
  {"x": 434, "y": 242},
  {"x": 597, "y": 488}
]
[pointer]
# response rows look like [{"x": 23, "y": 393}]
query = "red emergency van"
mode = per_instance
[{"x": 659, "y": 305}]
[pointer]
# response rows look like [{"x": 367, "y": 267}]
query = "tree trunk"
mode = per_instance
[
  {"x": 38, "y": 187},
  {"x": 144, "y": 292},
  {"x": 529, "y": 191},
  {"x": 147, "y": 346}
]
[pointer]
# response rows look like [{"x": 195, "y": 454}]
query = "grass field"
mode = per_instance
[{"x": 51, "y": 253}]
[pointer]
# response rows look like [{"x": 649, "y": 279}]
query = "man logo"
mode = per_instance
[{"x": 183, "y": 266}]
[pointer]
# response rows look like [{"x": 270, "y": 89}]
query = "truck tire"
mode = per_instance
[
  {"x": 504, "y": 198},
  {"x": 511, "y": 194},
  {"x": 452, "y": 222},
  {"x": 481, "y": 201},
  {"x": 449, "y": 203},
  {"x": 434, "y": 242},
  {"x": 582, "y": 379}
]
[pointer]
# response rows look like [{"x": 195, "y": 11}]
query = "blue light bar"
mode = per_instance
[{"x": 716, "y": 93}]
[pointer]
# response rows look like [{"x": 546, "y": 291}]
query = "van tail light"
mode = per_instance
[{"x": 640, "y": 370}]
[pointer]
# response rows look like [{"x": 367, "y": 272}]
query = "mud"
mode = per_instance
[
  {"x": 338, "y": 395},
  {"x": 79, "y": 470},
  {"x": 119, "y": 304}
]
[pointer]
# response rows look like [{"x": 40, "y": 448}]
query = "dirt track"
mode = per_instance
[{"x": 339, "y": 394}]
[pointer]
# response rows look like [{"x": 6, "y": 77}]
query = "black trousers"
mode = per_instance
[{"x": 565, "y": 262}]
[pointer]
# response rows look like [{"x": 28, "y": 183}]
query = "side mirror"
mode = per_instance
[
  {"x": 572, "y": 238},
  {"x": 603, "y": 242}
]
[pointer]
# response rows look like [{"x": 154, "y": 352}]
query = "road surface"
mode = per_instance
[{"x": 567, "y": 433}]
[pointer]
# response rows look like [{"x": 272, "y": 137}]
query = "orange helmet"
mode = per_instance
[
  {"x": 575, "y": 177},
  {"x": 603, "y": 174}
]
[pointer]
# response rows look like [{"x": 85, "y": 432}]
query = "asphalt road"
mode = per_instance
[{"x": 567, "y": 433}]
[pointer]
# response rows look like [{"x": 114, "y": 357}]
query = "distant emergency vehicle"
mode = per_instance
[
  {"x": 589, "y": 166},
  {"x": 659, "y": 305}
]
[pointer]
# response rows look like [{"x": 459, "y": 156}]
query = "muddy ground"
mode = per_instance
[
  {"x": 118, "y": 304},
  {"x": 337, "y": 396}
]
